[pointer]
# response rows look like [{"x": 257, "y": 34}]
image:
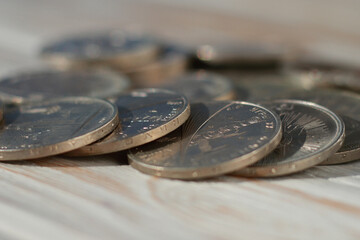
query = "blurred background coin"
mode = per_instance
[
  {"x": 52, "y": 127},
  {"x": 255, "y": 86},
  {"x": 118, "y": 48},
  {"x": 240, "y": 55},
  {"x": 202, "y": 86},
  {"x": 145, "y": 115},
  {"x": 218, "y": 138},
  {"x": 347, "y": 106},
  {"x": 311, "y": 134},
  {"x": 38, "y": 85},
  {"x": 317, "y": 76},
  {"x": 171, "y": 62}
]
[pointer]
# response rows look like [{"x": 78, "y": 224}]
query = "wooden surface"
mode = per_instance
[{"x": 103, "y": 198}]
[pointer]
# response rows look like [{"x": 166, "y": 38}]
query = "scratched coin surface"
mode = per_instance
[
  {"x": 38, "y": 85},
  {"x": 123, "y": 49},
  {"x": 52, "y": 127},
  {"x": 219, "y": 137},
  {"x": 202, "y": 86},
  {"x": 171, "y": 62},
  {"x": 145, "y": 115},
  {"x": 347, "y": 106},
  {"x": 311, "y": 134}
]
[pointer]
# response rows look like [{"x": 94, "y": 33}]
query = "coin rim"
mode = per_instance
[
  {"x": 218, "y": 169},
  {"x": 67, "y": 145},
  {"x": 303, "y": 163},
  {"x": 137, "y": 140}
]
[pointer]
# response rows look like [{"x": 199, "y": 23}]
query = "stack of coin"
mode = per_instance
[{"x": 175, "y": 123}]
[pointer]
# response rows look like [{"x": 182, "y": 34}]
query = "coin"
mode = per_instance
[
  {"x": 218, "y": 138},
  {"x": 145, "y": 115},
  {"x": 240, "y": 54},
  {"x": 338, "y": 78},
  {"x": 171, "y": 62},
  {"x": 261, "y": 85},
  {"x": 347, "y": 106},
  {"x": 311, "y": 134},
  {"x": 202, "y": 86},
  {"x": 52, "y": 127},
  {"x": 122, "y": 49},
  {"x": 42, "y": 84}
]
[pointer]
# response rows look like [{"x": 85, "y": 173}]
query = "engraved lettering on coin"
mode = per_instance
[
  {"x": 202, "y": 86},
  {"x": 218, "y": 138},
  {"x": 44, "y": 84},
  {"x": 145, "y": 115},
  {"x": 311, "y": 134},
  {"x": 53, "y": 127}
]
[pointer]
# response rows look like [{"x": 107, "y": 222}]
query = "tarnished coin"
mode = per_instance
[
  {"x": 218, "y": 138},
  {"x": 240, "y": 54},
  {"x": 311, "y": 134},
  {"x": 44, "y": 84},
  {"x": 145, "y": 115},
  {"x": 171, "y": 62},
  {"x": 347, "y": 106},
  {"x": 53, "y": 127},
  {"x": 202, "y": 86},
  {"x": 122, "y": 49}
]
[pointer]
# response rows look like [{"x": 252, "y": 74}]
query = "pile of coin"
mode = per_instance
[{"x": 178, "y": 112}]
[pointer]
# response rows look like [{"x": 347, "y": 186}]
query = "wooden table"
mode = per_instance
[{"x": 104, "y": 198}]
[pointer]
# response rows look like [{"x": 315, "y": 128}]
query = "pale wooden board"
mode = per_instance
[{"x": 103, "y": 198}]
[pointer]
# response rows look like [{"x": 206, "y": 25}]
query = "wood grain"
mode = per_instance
[{"x": 104, "y": 198}]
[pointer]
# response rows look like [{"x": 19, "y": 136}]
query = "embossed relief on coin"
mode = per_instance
[{"x": 216, "y": 134}]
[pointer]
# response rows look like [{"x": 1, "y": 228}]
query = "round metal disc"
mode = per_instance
[
  {"x": 311, "y": 134},
  {"x": 260, "y": 86},
  {"x": 44, "y": 84},
  {"x": 53, "y": 127},
  {"x": 170, "y": 63},
  {"x": 231, "y": 54},
  {"x": 335, "y": 78},
  {"x": 123, "y": 49},
  {"x": 218, "y": 138},
  {"x": 347, "y": 106},
  {"x": 145, "y": 115},
  {"x": 202, "y": 86}
]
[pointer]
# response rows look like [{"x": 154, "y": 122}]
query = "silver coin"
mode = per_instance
[
  {"x": 145, "y": 115},
  {"x": 53, "y": 127},
  {"x": 202, "y": 86},
  {"x": 171, "y": 62},
  {"x": 44, "y": 84},
  {"x": 311, "y": 134},
  {"x": 218, "y": 138},
  {"x": 260, "y": 85},
  {"x": 347, "y": 106},
  {"x": 122, "y": 49},
  {"x": 241, "y": 53},
  {"x": 336, "y": 78}
]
